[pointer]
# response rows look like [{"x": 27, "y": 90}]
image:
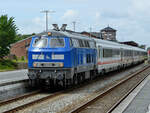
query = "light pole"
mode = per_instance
[
  {"x": 46, "y": 12},
  {"x": 74, "y": 25},
  {"x": 90, "y": 31}
]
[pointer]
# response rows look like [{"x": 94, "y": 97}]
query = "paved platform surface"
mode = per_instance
[
  {"x": 13, "y": 75},
  {"x": 138, "y": 101}
]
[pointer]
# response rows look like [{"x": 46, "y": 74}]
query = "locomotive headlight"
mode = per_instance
[
  {"x": 61, "y": 64},
  {"x": 34, "y": 64},
  {"x": 49, "y": 33}
]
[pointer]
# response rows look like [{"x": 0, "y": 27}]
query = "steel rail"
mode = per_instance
[
  {"x": 121, "y": 99},
  {"x": 94, "y": 99},
  {"x": 34, "y": 102},
  {"x": 2, "y": 103}
]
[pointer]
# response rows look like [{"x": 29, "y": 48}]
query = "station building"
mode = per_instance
[{"x": 20, "y": 48}]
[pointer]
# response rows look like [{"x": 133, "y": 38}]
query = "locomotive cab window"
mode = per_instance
[
  {"x": 57, "y": 42},
  {"x": 40, "y": 42}
]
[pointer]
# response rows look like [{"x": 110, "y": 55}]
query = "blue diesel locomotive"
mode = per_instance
[{"x": 61, "y": 58}]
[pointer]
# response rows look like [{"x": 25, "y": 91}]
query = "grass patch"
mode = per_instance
[
  {"x": 19, "y": 60},
  {"x": 7, "y": 65}
]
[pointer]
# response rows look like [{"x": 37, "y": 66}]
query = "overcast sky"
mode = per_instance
[{"x": 131, "y": 18}]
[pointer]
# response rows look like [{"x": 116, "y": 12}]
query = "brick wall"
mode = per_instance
[{"x": 20, "y": 48}]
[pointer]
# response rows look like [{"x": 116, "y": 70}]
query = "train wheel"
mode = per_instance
[
  {"x": 70, "y": 82},
  {"x": 103, "y": 72},
  {"x": 83, "y": 76},
  {"x": 75, "y": 80},
  {"x": 80, "y": 78},
  {"x": 32, "y": 83},
  {"x": 64, "y": 83}
]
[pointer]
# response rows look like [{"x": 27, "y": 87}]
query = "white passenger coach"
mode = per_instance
[{"x": 112, "y": 55}]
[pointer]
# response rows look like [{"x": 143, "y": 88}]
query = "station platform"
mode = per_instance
[
  {"x": 12, "y": 76},
  {"x": 138, "y": 101}
]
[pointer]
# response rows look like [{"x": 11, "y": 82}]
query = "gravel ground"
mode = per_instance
[{"x": 59, "y": 103}]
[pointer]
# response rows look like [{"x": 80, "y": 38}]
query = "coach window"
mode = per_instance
[
  {"x": 107, "y": 53},
  {"x": 115, "y": 52}
]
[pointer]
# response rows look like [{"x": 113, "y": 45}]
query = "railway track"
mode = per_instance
[
  {"x": 21, "y": 102},
  {"x": 107, "y": 101}
]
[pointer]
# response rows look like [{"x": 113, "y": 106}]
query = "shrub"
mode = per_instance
[
  {"x": 22, "y": 58},
  {"x": 7, "y": 64},
  {"x": 15, "y": 57}
]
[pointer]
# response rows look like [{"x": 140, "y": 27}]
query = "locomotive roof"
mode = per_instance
[
  {"x": 67, "y": 34},
  {"x": 79, "y": 36}
]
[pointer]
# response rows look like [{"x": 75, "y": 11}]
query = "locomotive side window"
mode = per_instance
[
  {"x": 57, "y": 42},
  {"x": 75, "y": 43},
  {"x": 81, "y": 43},
  {"x": 92, "y": 44},
  {"x": 40, "y": 42},
  {"x": 86, "y": 43}
]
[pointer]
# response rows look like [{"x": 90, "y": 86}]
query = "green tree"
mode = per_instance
[{"x": 8, "y": 31}]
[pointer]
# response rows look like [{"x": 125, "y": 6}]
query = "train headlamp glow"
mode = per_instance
[
  {"x": 34, "y": 64},
  {"x": 61, "y": 64},
  {"x": 49, "y": 33}
]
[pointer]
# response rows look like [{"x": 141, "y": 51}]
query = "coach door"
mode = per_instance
[
  {"x": 100, "y": 53},
  {"x": 121, "y": 54}
]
